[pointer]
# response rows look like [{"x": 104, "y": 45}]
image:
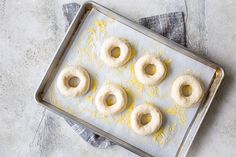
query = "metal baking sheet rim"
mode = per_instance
[{"x": 195, "y": 124}]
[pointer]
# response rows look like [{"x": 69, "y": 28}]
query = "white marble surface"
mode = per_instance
[{"x": 30, "y": 31}]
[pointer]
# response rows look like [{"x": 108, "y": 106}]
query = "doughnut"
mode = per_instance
[
  {"x": 146, "y": 77},
  {"x": 192, "y": 96},
  {"x": 152, "y": 126},
  {"x": 102, "y": 99},
  {"x": 115, "y": 52},
  {"x": 73, "y": 81}
]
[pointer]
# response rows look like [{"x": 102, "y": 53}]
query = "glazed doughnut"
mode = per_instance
[
  {"x": 177, "y": 90},
  {"x": 152, "y": 126},
  {"x": 141, "y": 73},
  {"x": 73, "y": 81},
  {"x": 111, "y": 44},
  {"x": 103, "y": 95}
]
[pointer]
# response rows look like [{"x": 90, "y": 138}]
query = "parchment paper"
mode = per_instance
[{"x": 85, "y": 52}]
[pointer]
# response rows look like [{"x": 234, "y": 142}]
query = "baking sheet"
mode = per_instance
[{"x": 84, "y": 51}]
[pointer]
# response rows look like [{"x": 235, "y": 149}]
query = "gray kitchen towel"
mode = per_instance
[{"x": 170, "y": 25}]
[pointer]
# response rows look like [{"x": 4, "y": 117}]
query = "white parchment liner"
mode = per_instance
[{"x": 85, "y": 52}]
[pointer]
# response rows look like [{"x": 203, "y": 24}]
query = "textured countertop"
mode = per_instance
[{"x": 30, "y": 32}]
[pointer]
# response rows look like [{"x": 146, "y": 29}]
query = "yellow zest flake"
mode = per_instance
[
  {"x": 124, "y": 118},
  {"x": 134, "y": 81},
  {"x": 55, "y": 102},
  {"x": 92, "y": 31},
  {"x": 70, "y": 110},
  {"x": 164, "y": 135},
  {"x": 179, "y": 112},
  {"x": 91, "y": 36},
  {"x": 159, "y": 136},
  {"x": 89, "y": 98},
  {"x": 160, "y": 53},
  {"x": 90, "y": 41},
  {"x": 101, "y": 25},
  {"x": 172, "y": 128},
  {"x": 96, "y": 115},
  {"x": 153, "y": 91}
]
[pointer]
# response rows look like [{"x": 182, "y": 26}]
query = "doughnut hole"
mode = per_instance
[
  {"x": 115, "y": 52},
  {"x": 186, "y": 90},
  {"x": 145, "y": 119},
  {"x": 150, "y": 69},
  {"x": 73, "y": 81},
  {"x": 111, "y": 100}
]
